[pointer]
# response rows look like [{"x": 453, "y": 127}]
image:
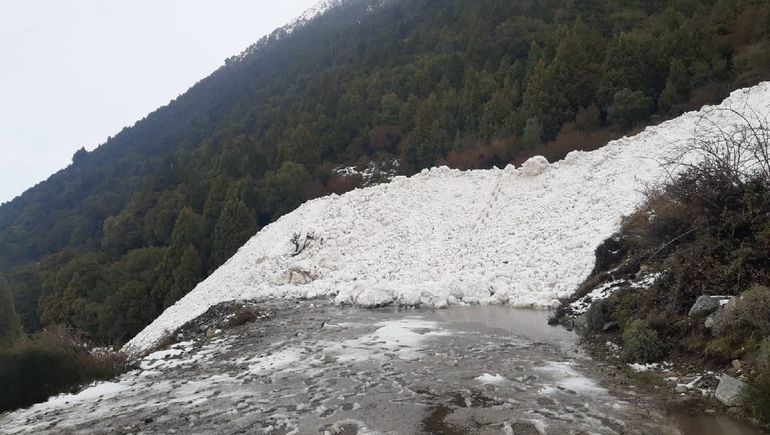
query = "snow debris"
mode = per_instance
[
  {"x": 486, "y": 378},
  {"x": 540, "y": 426},
  {"x": 569, "y": 379},
  {"x": 534, "y": 166},
  {"x": 704, "y": 383},
  {"x": 374, "y": 173},
  {"x": 275, "y": 361},
  {"x": 450, "y": 237},
  {"x": 604, "y": 291},
  {"x": 96, "y": 391},
  {"x": 661, "y": 366},
  {"x": 402, "y": 338}
]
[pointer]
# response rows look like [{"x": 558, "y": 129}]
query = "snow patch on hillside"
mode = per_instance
[
  {"x": 311, "y": 13},
  {"x": 523, "y": 237}
]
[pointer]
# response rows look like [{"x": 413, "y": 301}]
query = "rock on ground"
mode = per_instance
[
  {"x": 703, "y": 306},
  {"x": 731, "y": 391}
]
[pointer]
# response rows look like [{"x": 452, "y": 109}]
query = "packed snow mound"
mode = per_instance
[
  {"x": 523, "y": 237},
  {"x": 534, "y": 166}
]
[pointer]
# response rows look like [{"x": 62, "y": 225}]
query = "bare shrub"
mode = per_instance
[
  {"x": 737, "y": 153},
  {"x": 51, "y": 362},
  {"x": 340, "y": 184},
  {"x": 242, "y": 316},
  {"x": 301, "y": 242},
  {"x": 166, "y": 340}
]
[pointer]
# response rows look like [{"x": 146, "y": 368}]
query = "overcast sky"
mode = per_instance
[{"x": 75, "y": 72}]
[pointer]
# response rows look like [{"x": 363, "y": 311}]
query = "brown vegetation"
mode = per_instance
[
  {"x": 51, "y": 362},
  {"x": 707, "y": 231}
]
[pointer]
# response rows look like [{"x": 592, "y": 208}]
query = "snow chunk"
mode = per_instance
[
  {"x": 641, "y": 368},
  {"x": 403, "y": 338},
  {"x": 567, "y": 378},
  {"x": 486, "y": 378},
  {"x": 275, "y": 361},
  {"x": 534, "y": 166},
  {"x": 96, "y": 391},
  {"x": 449, "y": 237}
]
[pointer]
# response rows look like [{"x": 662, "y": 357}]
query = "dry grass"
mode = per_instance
[{"x": 242, "y": 316}]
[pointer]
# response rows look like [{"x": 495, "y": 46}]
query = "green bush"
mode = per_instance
[
  {"x": 597, "y": 315},
  {"x": 51, "y": 363},
  {"x": 755, "y": 308},
  {"x": 641, "y": 343},
  {"x": 751, "y": 310},
  {"x": 728, "y": 320},
  {"x": 759, "y": 399}
]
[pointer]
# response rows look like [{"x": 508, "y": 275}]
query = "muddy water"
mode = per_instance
[
  {"x": 712, "y": 425},
  {"x": 316, "y": 368}
]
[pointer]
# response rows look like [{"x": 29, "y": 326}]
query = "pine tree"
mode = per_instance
[
  {"x": 10, "y": 325},
  {"x": 533, "y": 133},
  {"x": 677, "y": 88},
  {"x": 186, "y": 275},
  {"x": 629, "y": 107},
  {"x": 576, "y": 67},
  {"x": 172, "y": 282},
  {"x": 632, "y": 61},
  {"x": 236, "y": 224},
  {"x": 544, "y": 101}
]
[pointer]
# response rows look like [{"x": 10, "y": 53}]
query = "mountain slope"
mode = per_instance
[
  {"x": 128, "y": 229},
  {"x": 444, "y": 237}
]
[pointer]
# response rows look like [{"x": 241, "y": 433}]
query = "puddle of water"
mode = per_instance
[
  {"x": 712, "y": 425},
  {"x": 528, "y": 323}
]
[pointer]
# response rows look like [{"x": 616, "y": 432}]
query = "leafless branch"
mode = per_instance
[{"x": 301, "y": 242}]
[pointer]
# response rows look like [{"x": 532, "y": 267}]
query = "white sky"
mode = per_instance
[{"x": 74, "y": 72}]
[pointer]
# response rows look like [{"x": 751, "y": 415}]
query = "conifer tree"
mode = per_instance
[
  {"x": 186, "y": 275},
  {"x": 544, "y": 101},
  {"x": 236, "y": 224},
  {"x": 10, "y": 325},
  {"x": 533, "y": 133},
  {"x": 576, "y": 67},
  {"x": 677, "y": 88},
  {"x": 629, "y": 107},
  {"x": 178, "y": 272}
]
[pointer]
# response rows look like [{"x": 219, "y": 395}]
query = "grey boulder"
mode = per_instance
[
  {"x": 703, "y": 306},
  {"x": 731, "y": 391}
]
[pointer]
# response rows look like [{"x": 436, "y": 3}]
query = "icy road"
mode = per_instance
[{"x": 315, "y": 368}]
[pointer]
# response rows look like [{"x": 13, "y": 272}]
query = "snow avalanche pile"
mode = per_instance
[{"x": 523, "y": 237}]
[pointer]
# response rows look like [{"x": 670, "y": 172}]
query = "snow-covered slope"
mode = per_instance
[
  {"x": 522, "y": 236},
  {"x": 314, "y": 11}
]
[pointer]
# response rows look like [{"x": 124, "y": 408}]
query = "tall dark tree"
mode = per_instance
[
  {"x": 181, "y": 267},
  {"x": 632, "y": 61},
  {"x": 236, "y": 224},
  {"x": 10, "y": 325}
]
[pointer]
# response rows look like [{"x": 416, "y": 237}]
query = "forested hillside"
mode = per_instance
[{"x": 126, "y": 230}]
